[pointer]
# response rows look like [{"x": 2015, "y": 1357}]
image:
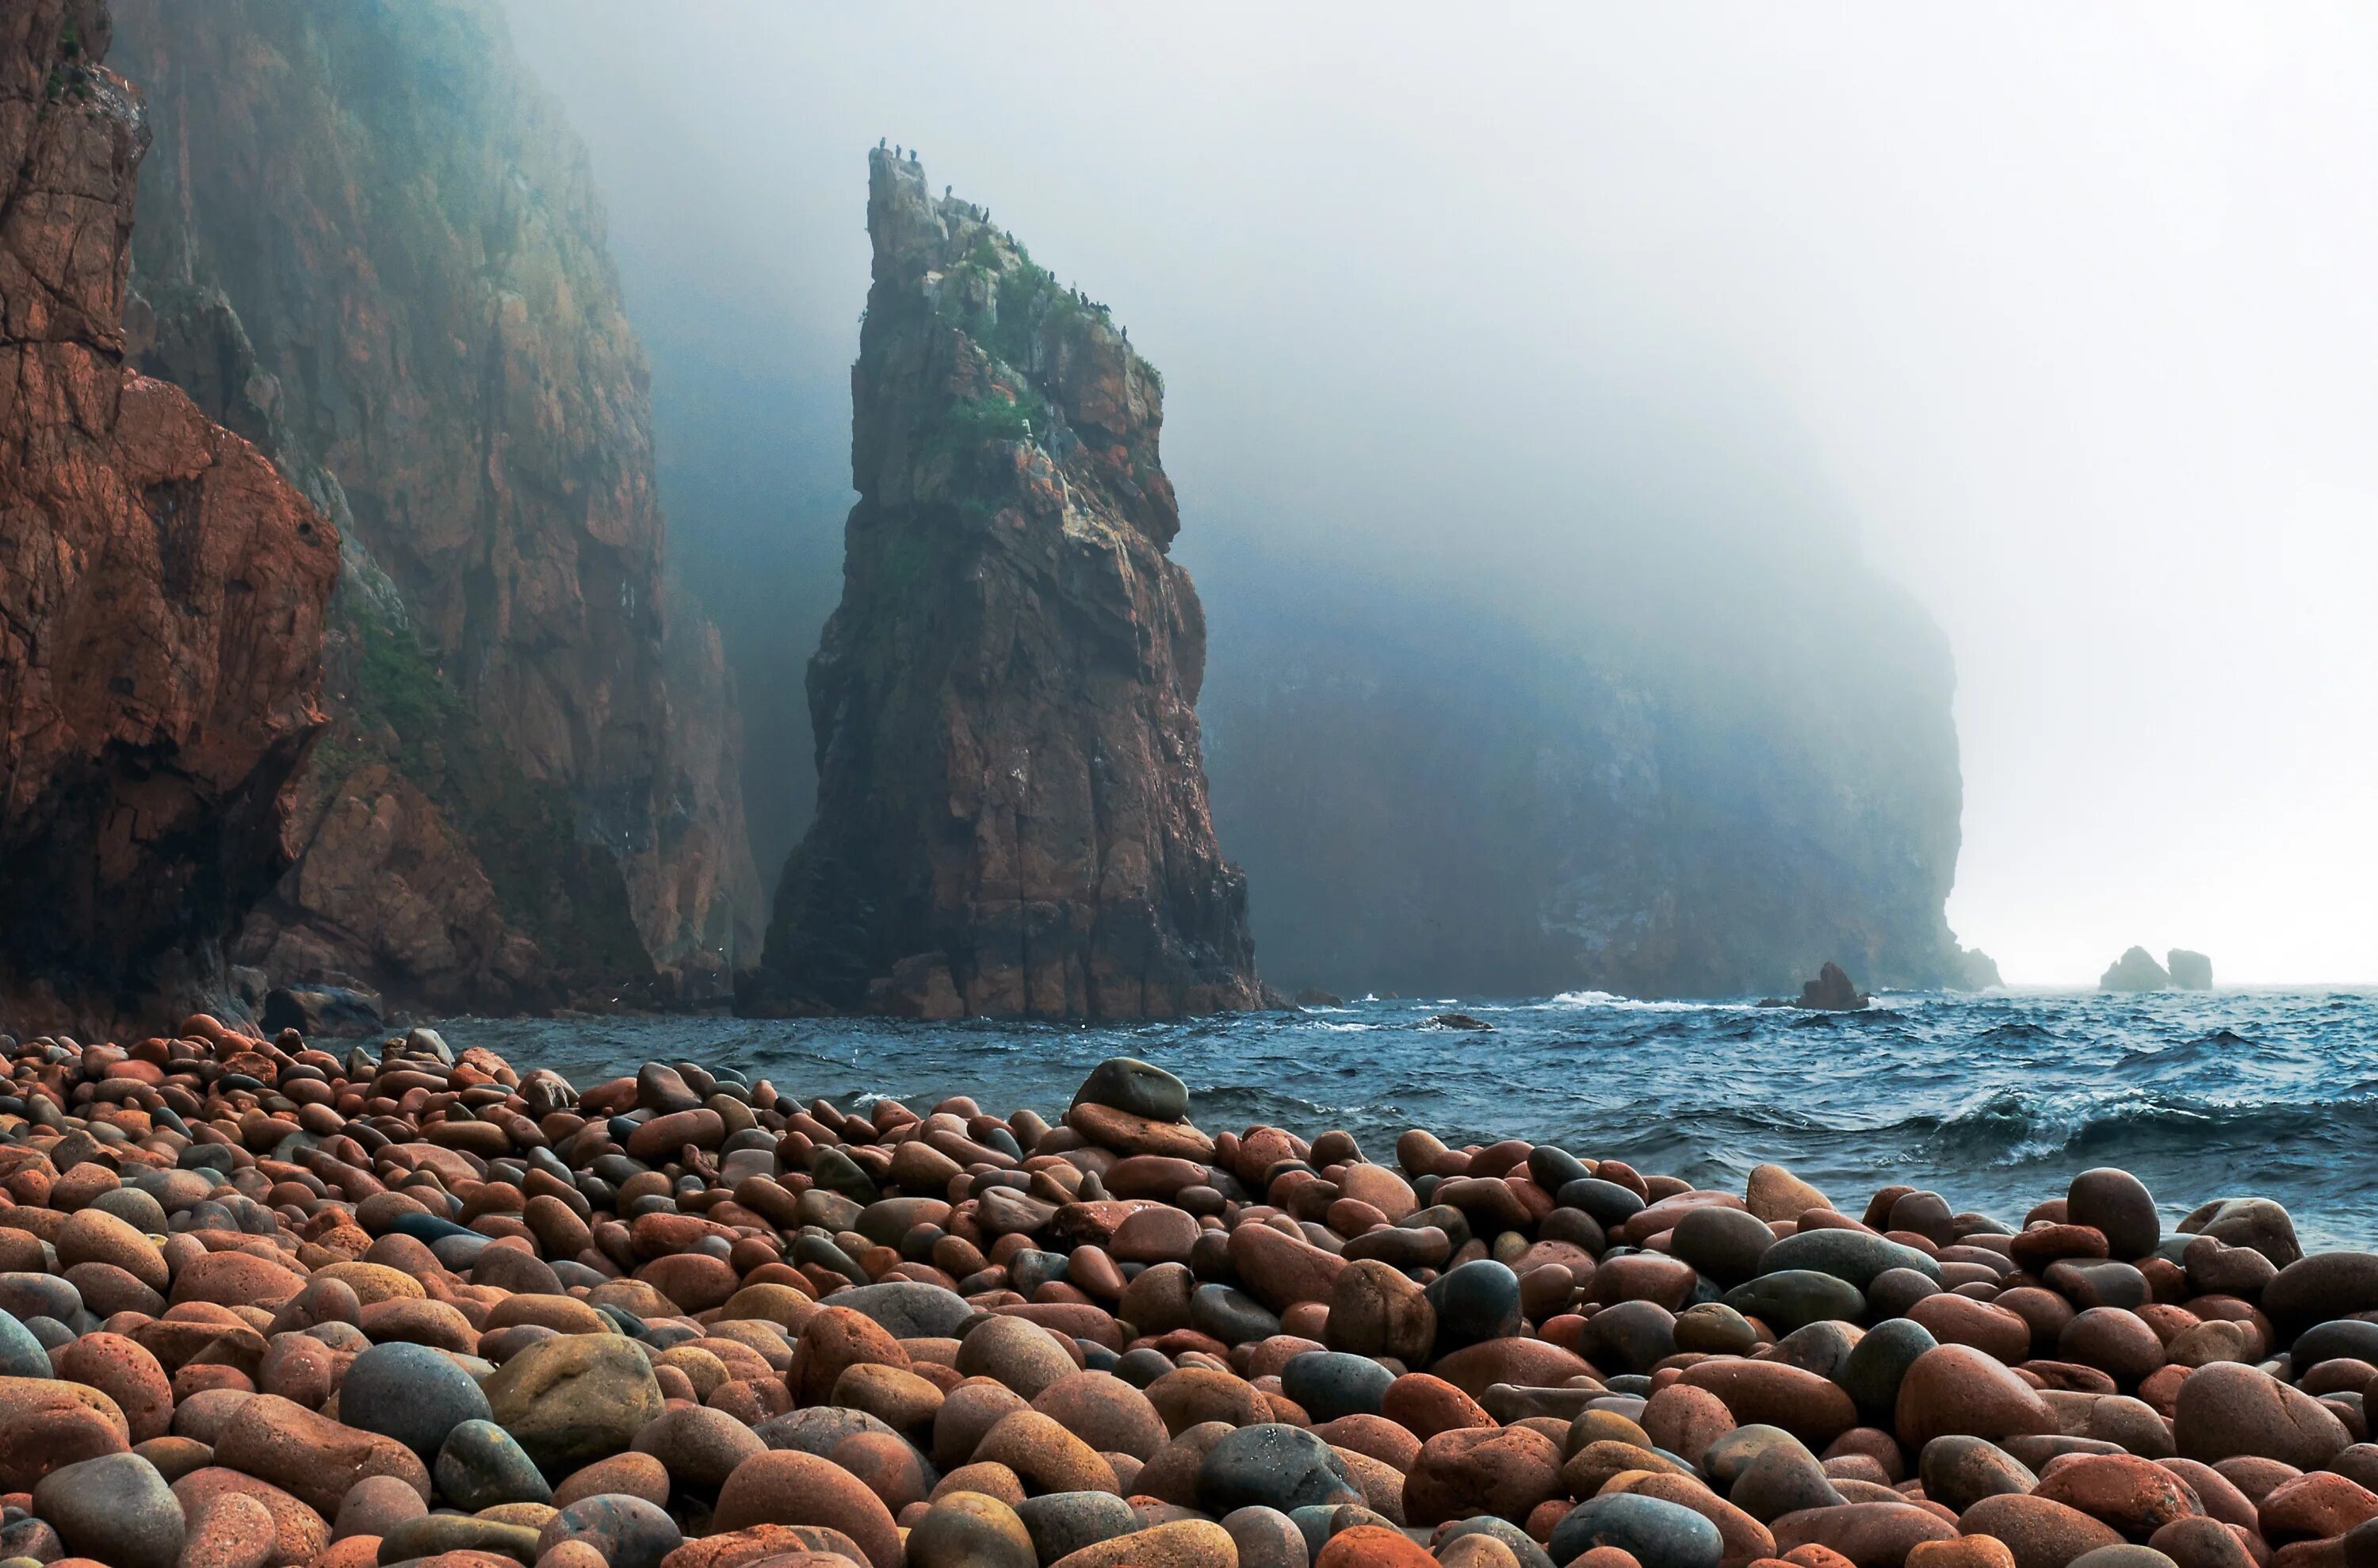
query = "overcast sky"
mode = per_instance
[{"x": 2063, "y": 315}]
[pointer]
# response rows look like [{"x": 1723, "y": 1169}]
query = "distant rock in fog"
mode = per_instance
[
  {"x": 1972, "y": 970},
  {"x": 2189, "y": 971},
  {"x": 2136, "y": 970}
]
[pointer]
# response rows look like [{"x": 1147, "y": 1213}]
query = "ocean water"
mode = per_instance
[{"x": 1996, "y": 1101}]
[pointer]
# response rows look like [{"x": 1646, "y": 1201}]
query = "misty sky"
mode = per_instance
[{"x": 2063, "y": 315}]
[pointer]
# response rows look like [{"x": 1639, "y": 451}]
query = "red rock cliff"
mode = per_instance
[
  {"x": 1012, "y": 814},
  {"x": 163, "y": 588},
  {"x": 407, "y": 236}
]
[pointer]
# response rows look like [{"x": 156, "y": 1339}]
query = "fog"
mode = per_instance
[{"x": 2061, "y": 317}]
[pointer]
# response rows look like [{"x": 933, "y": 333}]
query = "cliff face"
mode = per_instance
[
  {"x": 163, "y": 589},
  {"x": 1429, "y": 803},
  {"x": 373, "y": 238},
  {"x": 1012, "y": 815}
]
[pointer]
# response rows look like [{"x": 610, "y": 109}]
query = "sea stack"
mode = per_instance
[
  {"x": 2189, "y": 971},
  {"x": 2135, "y": 971},
  {"x": 1012, "y": 811}
]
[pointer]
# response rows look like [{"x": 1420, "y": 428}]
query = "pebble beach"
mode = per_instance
[{"x": 264, "y": 1303}]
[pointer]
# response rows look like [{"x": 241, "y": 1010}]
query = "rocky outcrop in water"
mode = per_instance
[
  {"x": 1831, "y": 991},
  {"x": 2189, "y": 971},
  {"x": 2135, "y": 971},
  {"x": 1012, "y": 811},
  {"x": 163, "y": 589},
  {"x": 375, "y": 246}
]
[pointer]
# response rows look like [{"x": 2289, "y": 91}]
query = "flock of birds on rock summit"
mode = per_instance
[{"x": 263, "y": 1305}]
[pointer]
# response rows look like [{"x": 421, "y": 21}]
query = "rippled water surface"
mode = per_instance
[{"x": 1996, "y": 1101}]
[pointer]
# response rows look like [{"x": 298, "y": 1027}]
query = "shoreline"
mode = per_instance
[{"x": 395, "y": 1301}]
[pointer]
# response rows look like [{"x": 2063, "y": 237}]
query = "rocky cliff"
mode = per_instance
[
  {"x": 163, "y": 588},
  {"x": 1012, "y": 815},
  {"x": 374, "y": 241},
  {"x": 1434, "y": 799}
]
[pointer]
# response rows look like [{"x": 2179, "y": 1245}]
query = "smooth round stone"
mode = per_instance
[
  {"x": 627, "y": 1531},
  {"x": 1895, "y": 1290},
  {"x": 821, "y": 1429},
  {"x": 1846, "y": 1254},
  {"x": 47, "y": 1295},
  {"x": 1320, "y": 1524},
  {"x": 1502, "y": 1470},
  {"x": 1105, "y": 1412},
  {"x": 1714, "y": 1329},
  {"x": 2319, "y": 1287},
  {"x": 2202, "y": 1542},
  {"x": 2123, "y": 1556},
  {"x": 1126, "y": 1083},
  {"x": 573, "y": 1398},
  {"x": 116, "y": 1508},
  {"x": 1272, "y": 1465},
  {"x": 434, "y": 1535},
  {"x": 1657, "y": 1533},
  {"x": 21, "y": 1354},
  {"x": 1820, "y": 1347},
  {"x": 1476, "y": 1302},
  {"x": 1230, "y": 1315},
  {"x": 2257, "y": 1222},
  {"x": 2103, "y": 1283},
  {"x": 1780, "y": 1478},
  {"x": 701, "y": 1447},
  {"x": 1333, "y": 1383},
  {"x": 2118, "y": 1204},
  {"x": 1142, "y": 1367},
  {"x": 2041, "y": 1532},
  {"x": 2342, "y": 1339},
  {"x": 802, "y": 1488},
  {"x": 1551, "y": 1167},
  {"x": 1375, "y": 1310},
  {"x": 1016, "y": 1352},
  {"x": 1266, "y": 1538},
  {"x": 1523, "y": 1548},
  {"x": 375, "y": 1505},
  {"x": 1636, "y": 1335},
  {"x": 28, "y": 1543},
  {"x": 1954, "y": 1389},
  {"x": 1725, "y": 1245},
  {"x": 1875, "y": 1367},
  {"x": 1958, "y": 1472},
  {"x": 2230, "y": 1410},
  {"x": 1062, "y": 1523},
  {"x": 1610, "y": 1204},
  {"x": 229, "y": 1530},
  {"x": 480, "y": 1466},
  {"x": 1793, "y": 1298},
  {"x": 1727, "y": 1459},
  {"x": 966, "y": 1529},
  {"x": 908, "y": 1309},
  {"x": 135, "y": 1208},
  {"x": 410, "y": 1392}
]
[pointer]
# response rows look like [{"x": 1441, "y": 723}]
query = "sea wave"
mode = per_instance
[{"x": 1994, "y": 1101}]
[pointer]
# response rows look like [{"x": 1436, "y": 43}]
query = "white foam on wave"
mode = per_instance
[{"x": 1574, "y": 999}]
